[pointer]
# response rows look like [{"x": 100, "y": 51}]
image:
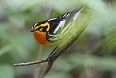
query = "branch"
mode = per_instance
[
  {"x": 38, "y": 68},
  {"x": 54, "y": 55},
  {"x": 44, "y": 73},
  {"x": 57, "y": 52},
  {"x": 31, "y": 63}
]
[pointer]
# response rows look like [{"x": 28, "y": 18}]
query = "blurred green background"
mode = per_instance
[{"x": 93, "y": 55}]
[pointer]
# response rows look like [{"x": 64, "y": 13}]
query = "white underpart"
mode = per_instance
[
  {"x": 61, "y": 24},
  {"x": 77, "y": 14},
  {"x": 65, "y": 15},
  {"x": 52, "y": 19}
]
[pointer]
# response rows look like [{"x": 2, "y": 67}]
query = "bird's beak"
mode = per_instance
[{"x": 32, "y": 30}]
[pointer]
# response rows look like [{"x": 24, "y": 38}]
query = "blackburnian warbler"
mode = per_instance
[{"x": 55, "y": 31}]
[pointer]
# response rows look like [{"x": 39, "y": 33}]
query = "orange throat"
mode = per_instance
[{"x": 41, "y": 38}]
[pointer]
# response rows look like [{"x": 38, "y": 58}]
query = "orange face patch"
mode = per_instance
[
  {"x": 41, "y": 38},
  {"x": 40, "y": 33}
]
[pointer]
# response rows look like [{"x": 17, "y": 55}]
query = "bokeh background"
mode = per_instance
[{"x": 93, "y": 55}]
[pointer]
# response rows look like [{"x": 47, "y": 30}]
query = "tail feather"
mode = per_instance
[{"x": 73, "y": 14}]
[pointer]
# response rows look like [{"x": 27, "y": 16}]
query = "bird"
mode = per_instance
[{"x": 57, "y": 30}]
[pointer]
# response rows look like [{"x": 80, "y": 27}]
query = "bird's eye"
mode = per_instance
[{"x": 43, "y": 29}]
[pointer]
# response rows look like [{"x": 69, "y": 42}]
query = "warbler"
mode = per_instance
[{"x": 57, "y": 30}]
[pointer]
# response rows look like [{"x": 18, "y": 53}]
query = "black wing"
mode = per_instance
[{"x": 65, "y": 18}]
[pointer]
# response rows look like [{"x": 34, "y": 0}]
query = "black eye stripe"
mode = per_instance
[{"x": 42, "y": 29}]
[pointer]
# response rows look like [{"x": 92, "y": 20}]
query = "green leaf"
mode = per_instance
[
  {"x": 103, "y": 63},
  {"x": 5, "y": 49},
  {"x": 6, "y": 71},
  {"x": 18, "y": 20}
]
